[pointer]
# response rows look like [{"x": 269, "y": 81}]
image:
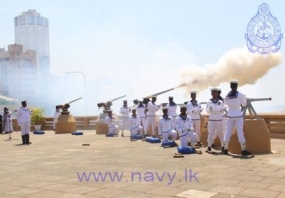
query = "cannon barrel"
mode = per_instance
[
  {"x": 109, "y": 103},
  {"x": 159, "y": 93},
  {"x": 117, "y": 98},
  {"x": 74, "y": 100},
  {"x": 258, "y": 99}
]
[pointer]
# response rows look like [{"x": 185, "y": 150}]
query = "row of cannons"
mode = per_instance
[{"x": 255, "y": 129}]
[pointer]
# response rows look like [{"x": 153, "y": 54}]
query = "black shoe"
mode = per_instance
[
  {"x": 213, "y": 145},
  {"x": 245, "y": 152},
  {"x": 24, "y": 139},
  {"x": 122, "y": 135},
  {"x": 28, "y": 139},
  {"x": 198, "y": 144},
  {"x": 153, "y": 136},
  {"x": 209, "y": 149},
  {"x": 225, "y": 151}
]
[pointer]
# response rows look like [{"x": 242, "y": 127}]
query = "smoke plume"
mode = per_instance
[{"x": 238, "y": 63}]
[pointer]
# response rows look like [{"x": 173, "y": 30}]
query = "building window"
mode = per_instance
[
  {"x": 31, "y": 20},
  {"x": 22, "y": 20},
  {"x": 40, "y": 20}
]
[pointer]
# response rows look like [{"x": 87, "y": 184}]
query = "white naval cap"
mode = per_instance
[
  {"x": 164, "y": 107},
  {"x": 234, "y": 81},
  {"x": 193, "y": 92},
  {"x": 183, "y": 106},
  {"x": 215, "y": 89}
]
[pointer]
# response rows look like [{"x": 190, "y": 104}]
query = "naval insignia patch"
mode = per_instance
[{"x": 263, "y": 32}]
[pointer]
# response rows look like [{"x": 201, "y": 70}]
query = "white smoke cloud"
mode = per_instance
[{"x": 237, "y": 63}]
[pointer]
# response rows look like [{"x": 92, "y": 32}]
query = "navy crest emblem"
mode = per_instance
[{"x": 263, "y": 32}]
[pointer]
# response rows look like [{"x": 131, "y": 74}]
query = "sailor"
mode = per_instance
[
  {"x": 183, "y": 126},
  {"x": 110, "y": 120},
  {"x": 24, "y": 121},
  {"x": 235, "y": 100},
  {"x": 135, "y": 127},
  {"x": 56, "y": 115},
  {"x": 224, "y": 113},
  {"x": 125, "y": 111},
  {"x": 166, "y": 126},
  {"x": 7, "y": 121},
  {"x": 151, "y": 116},
  {"x": 215, "y": 108},
  {"x": 194, "y": 110},
  {"x": 172, "y": 108},
  {"x": 136, "y": 103},
  {"x": 140, "y": 110}
]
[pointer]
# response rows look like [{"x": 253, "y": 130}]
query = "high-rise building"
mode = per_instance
[{"x": 32, "y": 32}]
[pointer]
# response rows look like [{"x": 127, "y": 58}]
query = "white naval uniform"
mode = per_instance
[
  {"x": 111, "y": 122},
  {"x": 141, "y": 113},
  {"x": 194, "y": 110},
  {"x": 150, "y": 120},
  {"x": 172, "y": 111},
  {"x": 135, "y": 127},
  {"x": 24, "y": 120},
  {"x": 125, "y": 111},
  {"x": 183, "y": 126},
  {"x": 235, "y": 117},
  {"x": 7, "y": 121},
  {"x": 55, "y": 118},
  {"x": 215, "y": 123},
  {"x": 166, "y": 128}
]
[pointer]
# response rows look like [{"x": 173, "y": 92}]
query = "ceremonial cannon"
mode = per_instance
[
  {"x": 101, "y": 126},
  {"x": 66, "y": 122}
]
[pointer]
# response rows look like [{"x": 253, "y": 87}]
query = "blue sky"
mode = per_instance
[{"x": 141, "y": 46}]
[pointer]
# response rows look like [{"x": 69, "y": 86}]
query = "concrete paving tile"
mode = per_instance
[
  {"x": 223, "y": 182},
  {"x": 140, "y": 188},
  {"x": 271, "y": 174},
  {"x": 133, "y": 194},
  {"x": 22, "y": 191},
  {"x": 106, "y": 192},
  {"x": 197, "y": 186},
  {"x": 260, "y": 193},
  {"x": 196, "y": 194},
  {"x": 252, "y": 178},
  {"x": 272, "y": 180},
  {"x": 226, "y": 189},
  {"x": 168, "y": 191},
  {"x": 277, "y": 187},
  {"x": 223, "y": 195},
  {"x": 46, "y": 194},
  {"x": 281, "y": 195},
  {"x": 254, "y": 185}
]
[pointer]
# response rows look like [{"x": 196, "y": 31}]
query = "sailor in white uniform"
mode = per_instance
[
  {"x": 151, "y": 115},
  {"x": 234, "y": 101},
  {"x": 7, "y": 120},
  {"x": 24, "y": 121},
  {"x": 56, "y": 115},
  {"x": 140, "y": 110},
  {"x": 166, "y": 126},
  {"x": 194, "y": 110},
  {"x": 125, "y": 111},
  {"x": 215, "y": 108},
  {"x": 172, "y": 108},
  {"x": 183, "y": 126},
  {"x": 113, "y": 129},
  {"x": 135, "y": 127}
]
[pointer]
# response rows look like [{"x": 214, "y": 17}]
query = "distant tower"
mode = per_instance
[{"x": 32, "y": 32}]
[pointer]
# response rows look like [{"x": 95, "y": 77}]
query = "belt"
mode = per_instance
[
  {"x": 135, "y": 127},
  {"x": 234, "y": 107},
  {"x": 215, "y": 120},
  {"x": 166, "y": 131}
]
